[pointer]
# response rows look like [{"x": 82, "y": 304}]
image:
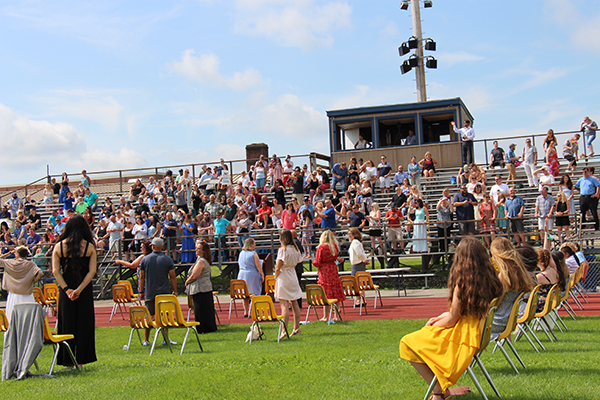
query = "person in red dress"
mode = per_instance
[
  {"x": 487, "y": 219},
  {"x": 327, "y": 253}
]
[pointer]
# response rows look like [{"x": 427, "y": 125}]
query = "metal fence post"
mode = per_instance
[{"x": 121, "y": 181}]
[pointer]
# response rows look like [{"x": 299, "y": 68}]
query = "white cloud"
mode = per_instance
[
  {"x": 205, "y": 69},
  {"x": 298, "y": 23},
  {"x": 85, "y": 104},
  {"x": 537, "y": 78},
  {"x": 449, "y": 59},
  {"x": 580, "y": 26},
  {"x": 28, "y": 145},
  {"x": 363, "y": 96},
  {"x": 293, "y": 118}
]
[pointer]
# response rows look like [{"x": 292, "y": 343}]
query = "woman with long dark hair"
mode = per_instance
[
  {"x": 199, "y": 286},
  {"x": 445, "y": 346},
  {"x": 74, "y": 266}
]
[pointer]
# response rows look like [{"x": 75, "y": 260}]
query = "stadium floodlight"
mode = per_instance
[
  {"x": 413, "y": 42},
  {"x": 429, "y": 44},
  {"x": 405, "y": 67},
  {"x": 431, "y": 62},
  {"x": 427, "y": 4},
  {"x": 413, "y": 61},
  {"x": 403, "y": 49},
  {"x": 404, "y": 5}
]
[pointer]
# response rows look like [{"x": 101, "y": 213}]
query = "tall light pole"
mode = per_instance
[
  {"x": 418, "y": 60},
  {"x": 420, "y": 70}
]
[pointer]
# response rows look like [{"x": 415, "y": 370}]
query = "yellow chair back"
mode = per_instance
[
  {"x": 315, "y": 296},
  {"x": 51, "y": 337},
  {"x": 486, "y": 326},
  {"x": 121, "y": 294},
  {"x": 512, "y": 318},
  {"x": 38, "y": 295},
  {"x": 139, "y": 317},
  {"x": 51, "y": 292},
  {"x": 530, "y": 308},
  {"x": 365, "y": 280},
  {"x": 238, "y": 289},
  {"x": 3, "y": 321},
  {"x": 263, "y": 309},
  {"x": 129, "y": 287},
  {"x": 168, "y": 311},
  {"x": 550, "y": 301},
  {"x": 270, "y": 284},
  {"x": 350, "y": 286}
]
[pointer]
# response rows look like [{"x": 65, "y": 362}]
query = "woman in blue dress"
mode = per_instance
[
  {"x": 188, "y": 247},
  {"x": 251, "y": 271}
]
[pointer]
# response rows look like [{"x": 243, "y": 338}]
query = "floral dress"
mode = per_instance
[
  {"x": 328, "y": 272},
  {"x": 486, "y": 213},
  {"x": 553, "y": 163}
]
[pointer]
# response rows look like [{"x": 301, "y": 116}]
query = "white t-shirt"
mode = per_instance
[{"x": 502, "y": 188}]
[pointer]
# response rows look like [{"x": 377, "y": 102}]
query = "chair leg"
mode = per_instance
[
  {"x": 476, "y": 382},
  {"x": 380, "y": 299},
  {"x": 537, "y": 322},
  {"x": 569, "y": 309},
  {"x": 154, "y": 341},
  {"x": 218, "y": 319},
  {"x": 307, "y": 314},
  {"x": 487, "y": 375},
  {"x": 337, "y": 309},
  {"x": 121, "y": 306},
  {"x": 514, "y": 350},
  {"x": 430, "y": 388},
  {"x": 510, "y": 361},
  {"x": 545, "y": 322},
  {"x": 537, "y": 339},
  {"x": 129, "y": 341},
  {"x": 53, "y": 359},
  {"x": 187, "y": 332},
  {"x": 112, "y": 312}
]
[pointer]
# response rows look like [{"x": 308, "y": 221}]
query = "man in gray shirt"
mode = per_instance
[
  {"x": 156, "y": 270},
  {"x": 570, "y": 151},
  {"x": 114, "y": 228}
]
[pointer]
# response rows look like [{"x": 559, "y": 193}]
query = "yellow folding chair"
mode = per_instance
[
  {"x": 39, "y": 298},
  {"x": 134, "y": 296},
  {"x": 238, "y": 290},
  {"x": 504, "y": 336},
  {"x": 316, "y": 296},
  {"x": 540, "y": 317},
  {"x": 51, "y": 294},
  {"x": 169, "y": 315},
  {"x": 523, "y": 322},
  {"x": 3, "y": 321},
  {"x": 121, "y": 297},
  {"x": 351, "y": 289},
  {"x": 216, "y": 300},
  {"x": 270, "y": 285},
  {"x": 263, "y": 310},
  {"x": 365, "y": 282},
  {"x": 57, "y": 340},
  {"x": 486, "y": 330},
  {"x": 139, "y": 318}
]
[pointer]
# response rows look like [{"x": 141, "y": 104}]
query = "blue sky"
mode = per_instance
[{"x": 124, "y": 84}]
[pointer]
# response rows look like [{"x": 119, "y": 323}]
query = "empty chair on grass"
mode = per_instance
[
  {"x": 473, "y": 283},
  {"x": 238, "y": 290},
  {"x": 325, "y": 260},
  {"x": 365, "y": 282},
  {"x": 250, "y": 271},
  {"x": 199, "y": 287},
  {"x": 263, "y": 310},
  {"x": 315, "y": 296},
  {"x": 352, "y": 289}
]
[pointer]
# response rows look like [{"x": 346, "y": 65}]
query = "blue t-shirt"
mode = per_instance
[
  {"x": 587, "y": 186},
  {"x": 156, "y": 267},
  {"x": 513, "y": 206},
  {"x": 337, "y": 169},
  {"x": 509, "y": 155},
  {"x": 466, "y": 211},
  {"x": 221, "y": 226},
  {"x": 329, "y": 220},
  {"x": 169, "y": 232}
]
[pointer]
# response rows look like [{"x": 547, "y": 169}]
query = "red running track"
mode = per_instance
[{"x": 393, "y": 308}]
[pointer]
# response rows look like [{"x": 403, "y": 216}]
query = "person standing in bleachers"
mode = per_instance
[{"x": 467, "y": 134}]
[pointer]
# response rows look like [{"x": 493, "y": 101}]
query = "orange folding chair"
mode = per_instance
[
  {"x": 121, "y": 297},
  {"x": 238, "y": 290},
  {"x": 365, "y": 282},
  {"x": 351, "y": 289},
  {"x": 134, "y": 296}
]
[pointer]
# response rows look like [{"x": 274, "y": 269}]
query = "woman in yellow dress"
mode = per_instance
[{"x": 445, "y": 346}]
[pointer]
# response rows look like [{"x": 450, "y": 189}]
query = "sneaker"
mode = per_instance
[
  {"x": 172, "y": 342},
  {"x": 146, "y": 344}
]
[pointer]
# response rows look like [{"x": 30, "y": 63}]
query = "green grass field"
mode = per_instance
[{"x": 348, "y": 360}]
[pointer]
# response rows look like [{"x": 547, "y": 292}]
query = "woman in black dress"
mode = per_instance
[
  {"x": 74, "y": 266},
  {"x": 199, "y": 286}
]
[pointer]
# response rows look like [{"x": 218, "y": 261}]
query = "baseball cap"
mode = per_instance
[{"x": 158, "y": 242}]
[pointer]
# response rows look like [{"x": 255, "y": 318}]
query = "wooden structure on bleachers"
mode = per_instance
[{"x": 387, "y": 128}]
